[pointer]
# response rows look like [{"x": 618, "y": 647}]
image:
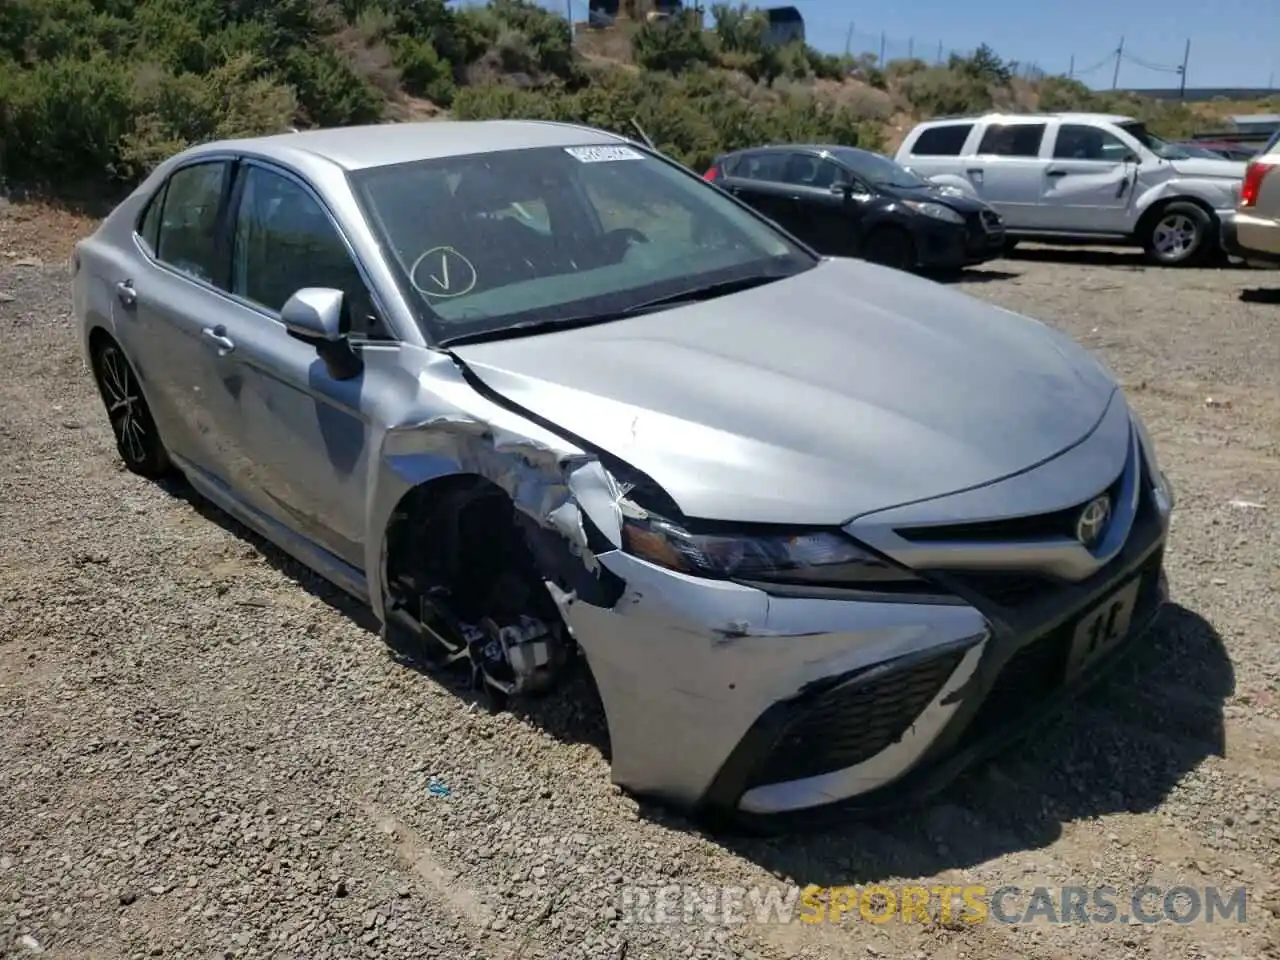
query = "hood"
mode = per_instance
[
  {"x": 1204, "y": 167},
  {"x": 937, "y": 193},
  {"x": 839, "y": 391}
]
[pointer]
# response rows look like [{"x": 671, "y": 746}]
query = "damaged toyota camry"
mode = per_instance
[{"x": 822, "y": 532}]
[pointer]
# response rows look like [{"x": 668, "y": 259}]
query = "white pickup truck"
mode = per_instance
[{"x": 1082, "y": 178}]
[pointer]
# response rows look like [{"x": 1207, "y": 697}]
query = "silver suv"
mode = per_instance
[{"x": 1082, "y": 177}]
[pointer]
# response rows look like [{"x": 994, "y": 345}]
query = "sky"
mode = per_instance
[{"x": 1234, "y": 43}]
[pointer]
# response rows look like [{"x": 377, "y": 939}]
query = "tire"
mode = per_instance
[
  {"x": 1179, "y": 234},
  {"x": 137, "y": 439},
  {"x": 1010, "y": 246},
  {"x": 890, "y": 247}
]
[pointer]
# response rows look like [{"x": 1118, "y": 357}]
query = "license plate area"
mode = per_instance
[{"x": 1102, "y": 628}]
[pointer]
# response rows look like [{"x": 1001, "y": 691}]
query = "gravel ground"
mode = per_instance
[{"x": 205, "y": 752}]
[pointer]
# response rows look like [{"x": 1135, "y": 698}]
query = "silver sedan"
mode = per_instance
[{"x": 822, "y": 532}]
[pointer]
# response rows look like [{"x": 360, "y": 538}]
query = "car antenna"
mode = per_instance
[{"x": 643, "y": 136}]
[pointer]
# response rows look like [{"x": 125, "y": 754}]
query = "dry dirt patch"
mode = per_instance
[{"x": 205, "y": 752}]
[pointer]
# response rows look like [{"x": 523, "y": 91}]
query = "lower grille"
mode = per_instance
[
  {"x": 853, "y": 722},
  {"x": 1038, "y": 669}
]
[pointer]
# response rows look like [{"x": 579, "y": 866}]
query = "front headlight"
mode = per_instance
[
  {"x": 1158, "y": 480},
  {"x": 936, "y": 210},
  {"x": 817, "y": 557}
]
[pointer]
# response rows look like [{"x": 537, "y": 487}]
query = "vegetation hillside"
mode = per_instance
[{"x": 98, "y": 91}]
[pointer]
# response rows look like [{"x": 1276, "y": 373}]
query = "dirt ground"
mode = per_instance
[{"x": 206, "y": 752}]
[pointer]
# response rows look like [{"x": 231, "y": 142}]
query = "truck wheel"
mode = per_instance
[{"x": 1179, "y": 235}]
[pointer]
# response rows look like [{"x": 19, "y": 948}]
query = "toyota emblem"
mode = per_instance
[{"x": 1092, "y": 522}]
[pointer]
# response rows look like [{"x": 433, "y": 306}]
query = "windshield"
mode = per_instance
[
  {"x": 495, "y": 241},
  {"x": 1161, "y": 148},
  {"x": 879, "y": 171}
]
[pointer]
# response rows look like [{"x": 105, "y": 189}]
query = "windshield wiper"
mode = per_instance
[{"x": 706, "y": 291}]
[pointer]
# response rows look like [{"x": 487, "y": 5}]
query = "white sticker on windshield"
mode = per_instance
[{"x": 603, "y": 154}]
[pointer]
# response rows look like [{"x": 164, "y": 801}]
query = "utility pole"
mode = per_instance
[
  {"x": 880, "y": 63},
  {"x": 848, "y": 40},
  {"x": 568, "y": 12},
  {"x": 1115, "y": 77},
  {"x": 939, "y": 53},
  {"x": 1071, "y": 68},
  {"x": 1182, "y": 71},
  {"x": 911, "y": 48}
]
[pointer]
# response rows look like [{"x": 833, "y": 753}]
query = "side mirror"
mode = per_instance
[
  {"x": 314, "y": 316},
  {"x": 841, "y": 189}
]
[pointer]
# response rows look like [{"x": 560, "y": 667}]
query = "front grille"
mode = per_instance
[
  {"x": 853, "y": 722},
  {"x": 1042, "y": 526}
]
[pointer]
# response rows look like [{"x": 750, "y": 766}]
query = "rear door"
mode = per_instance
[
  {"x": 171, "y": 309},
  {"x": 1007, "y": 171},
  {"x": 1088, "y": 182},
  {"x": 755, "y": 177}
]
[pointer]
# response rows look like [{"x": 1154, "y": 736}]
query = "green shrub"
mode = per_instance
[
  {"x": 938, "y": 91},
  {"x": 63, "y": 118},
  {"x": 672, "y": 45}
]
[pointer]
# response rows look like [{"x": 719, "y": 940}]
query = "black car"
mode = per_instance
[{"x": 847, "y": 202}]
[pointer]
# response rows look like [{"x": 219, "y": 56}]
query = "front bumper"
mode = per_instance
[
  {"x": 946, "y": 246},
  {"x": 769, "y": 710}
]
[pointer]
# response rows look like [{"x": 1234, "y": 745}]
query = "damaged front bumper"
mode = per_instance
[{"x": 760, "y": 709}]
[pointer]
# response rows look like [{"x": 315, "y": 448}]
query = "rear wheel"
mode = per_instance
[
  {"x": 890, "y": 247},
  {"x": 137, "y": 439},
  {"x": 1180, "y": 234}
]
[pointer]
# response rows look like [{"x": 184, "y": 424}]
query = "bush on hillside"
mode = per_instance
[{"x": 101, "y": 90}]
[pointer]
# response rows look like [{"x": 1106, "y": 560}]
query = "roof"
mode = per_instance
[
  {"x": 355, "y": 148},
  {"x": 1013, "y": 117},
  {"x": 1256, "y": 119},
  {"x": 815, "y": 147}
]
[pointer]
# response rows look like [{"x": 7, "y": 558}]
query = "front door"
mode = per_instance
[
  {"x": 306, "y": 436},
  {"x": 1089, "y": 184}
]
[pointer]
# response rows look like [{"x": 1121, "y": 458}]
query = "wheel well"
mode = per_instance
[
  {"x": 461, "y": 533},
  {"x": 98, "y": 339},
  {"x": 1147, "y": 220}
]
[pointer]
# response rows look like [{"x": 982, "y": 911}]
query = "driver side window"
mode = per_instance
[
  {"x": 284, "y": 241},
  {"x": 1080, "y": 142}
]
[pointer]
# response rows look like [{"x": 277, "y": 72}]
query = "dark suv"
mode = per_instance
[{"x": 847, "y": 202}]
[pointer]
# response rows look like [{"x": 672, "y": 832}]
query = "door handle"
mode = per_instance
[
  {"x": 218, "y": 337},
  {"x": 125, "y": 293},
  {"x": 1055, "y": 173}
]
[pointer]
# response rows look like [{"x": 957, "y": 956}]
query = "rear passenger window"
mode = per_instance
[
  {"x": 1012, "y": 140},
  {"x": 943, "y": 141},
  {"x": 761, "y": 166},
  {"x": 187, "y": 238}
]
